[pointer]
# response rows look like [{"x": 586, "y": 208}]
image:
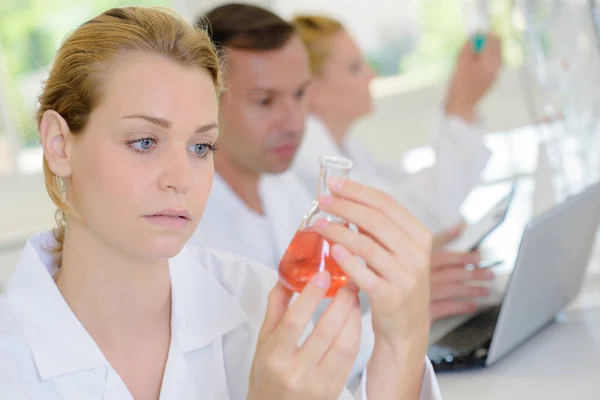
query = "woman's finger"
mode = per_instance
[
  {"x": 444, "y": 237},
  {"x": 373, "y": 198},
  {"x": 328, "y": 327},
  {"x": 456, "y": 274},
  {"x": 380, "y": 228},
  {"x": 277, "y": 305},
  {"x": 335, "y": 367},
  {"x": 299, "y": 314},
  {"x": 445, "y": 258},
  {"x": 377, "y": 258},
  {"x": 368, "y": 280},
  {"x": 457, "y": 291},
  {"x": 368, "y": 220}
]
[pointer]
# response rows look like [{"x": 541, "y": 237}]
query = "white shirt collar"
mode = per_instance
[{"x": 203, "y": 310}]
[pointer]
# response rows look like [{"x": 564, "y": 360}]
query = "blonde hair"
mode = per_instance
[
  {"x": 316, "y": 31},
  {"x": 73, "y": 86}
]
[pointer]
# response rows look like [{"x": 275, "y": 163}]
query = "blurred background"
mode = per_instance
[
  {"x": 548, "y": 90},
  {"x": 548, "y": 93}
]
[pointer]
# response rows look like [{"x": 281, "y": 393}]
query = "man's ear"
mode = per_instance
[{"x": 56, "y": 142}]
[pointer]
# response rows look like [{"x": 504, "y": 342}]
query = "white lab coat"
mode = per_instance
[
  {"x": 218, "y": 304},
  {"x": 434, "y": 195},
  {"x": 228, "y": 224}
]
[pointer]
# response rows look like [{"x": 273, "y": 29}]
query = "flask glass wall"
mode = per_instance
[{"x": 309, "y": 252}]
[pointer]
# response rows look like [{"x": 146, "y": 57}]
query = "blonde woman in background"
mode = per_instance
[
  {"x": 341, "y": 97},
  {"x": 111, "y": 305}
]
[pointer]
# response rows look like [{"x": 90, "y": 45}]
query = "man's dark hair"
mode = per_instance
[{"x": 246, "y": 27}]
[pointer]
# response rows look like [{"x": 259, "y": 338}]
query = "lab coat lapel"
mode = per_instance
[
  {"x": 178, "y": 382},
  {"x": 203, "y": 313}
]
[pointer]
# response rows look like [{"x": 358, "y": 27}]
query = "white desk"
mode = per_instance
[{"x": 561, "y": 362}]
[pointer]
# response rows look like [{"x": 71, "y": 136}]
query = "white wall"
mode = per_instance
[
  {"x": 24, "y": 209},
  {"x": 190, "y": 9},
  {"x": 24, "y": 206}
]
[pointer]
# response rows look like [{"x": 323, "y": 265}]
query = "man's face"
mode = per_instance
[{"x": 264, "y": 107}]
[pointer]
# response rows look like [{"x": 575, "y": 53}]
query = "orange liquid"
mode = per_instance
[{"x": 307, "y": 254}]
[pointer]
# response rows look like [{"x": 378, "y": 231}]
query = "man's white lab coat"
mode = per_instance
[{"x": 228, "y": 224}]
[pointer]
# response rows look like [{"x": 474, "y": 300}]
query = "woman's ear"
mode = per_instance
[{"x": 56, "y": 142}]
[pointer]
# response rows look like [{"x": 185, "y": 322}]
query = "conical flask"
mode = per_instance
[{"x": 309, "y": 252}]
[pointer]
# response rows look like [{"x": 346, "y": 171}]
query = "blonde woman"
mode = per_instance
[{"x": 112, "y": 306}]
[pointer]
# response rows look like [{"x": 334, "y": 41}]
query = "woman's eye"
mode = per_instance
[
  {"x": 202, "y": 149},
  {"x": 265, "y": 102},
  {"x": 143, "y": 145},
  {"x": 355, "y": 67}
]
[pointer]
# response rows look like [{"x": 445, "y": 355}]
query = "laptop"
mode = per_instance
[
  {"x": 544, "y": 195},
  {"x": 548, "y": 274},
  {"x": 474, "y": 234}
]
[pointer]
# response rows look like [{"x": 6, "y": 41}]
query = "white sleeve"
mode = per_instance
[
  {"x": 430, "y": 389},
  {"x": 361, "y": 393},
  {"x": 367, "y": 341},
  {"x": 435, "y": 194}
]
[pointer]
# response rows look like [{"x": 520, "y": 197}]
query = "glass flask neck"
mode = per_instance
[{"x": 332, "y": 167}]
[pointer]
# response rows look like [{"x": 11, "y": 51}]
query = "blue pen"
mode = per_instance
[{"x": 478, "y": 42}]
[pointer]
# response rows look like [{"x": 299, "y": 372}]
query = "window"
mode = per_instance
[{"x": 30, "y": 33}]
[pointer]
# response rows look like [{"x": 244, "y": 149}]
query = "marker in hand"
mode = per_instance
[{"x": 478, "y": 42}]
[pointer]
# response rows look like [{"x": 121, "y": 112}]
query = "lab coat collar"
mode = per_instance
[
  {"x": 275, "y": 201},
  {"x": 59, "y": 343},
  {"x": 227, "y": 197},
  {"x": 282, "y": 212},
  {"x": 202, "y": 310}
]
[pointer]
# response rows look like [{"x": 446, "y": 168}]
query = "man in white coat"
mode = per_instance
[
  {"x": 256, "y": 205},
  {"x": 341, "y": 97}
]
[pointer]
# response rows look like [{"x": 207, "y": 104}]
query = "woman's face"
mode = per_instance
[
  {"x": 344, "y": 82},
  {"x": 140, "y": 173}
]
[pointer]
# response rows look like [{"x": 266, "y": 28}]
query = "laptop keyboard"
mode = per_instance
[{"x": 473, "y": 336}]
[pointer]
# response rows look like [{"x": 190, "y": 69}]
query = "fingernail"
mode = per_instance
[
  {"x": 325, "y": 200},
  {"x": 338, "y": 252},
  {"x": 323, "y": 279},
  {"x": 335, "y": 183},
  {"x": 476, "y": 259},
  {"x": 484, "y": 291},
  {"x": 488, "y": 275},
  {"x": 321, "y": 223}
]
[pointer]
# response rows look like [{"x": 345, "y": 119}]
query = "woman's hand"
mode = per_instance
[
  {"x": 397, "y": 250},
  {"x": 320, "y": 367},
  {"x": 452, "y": 291}
]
